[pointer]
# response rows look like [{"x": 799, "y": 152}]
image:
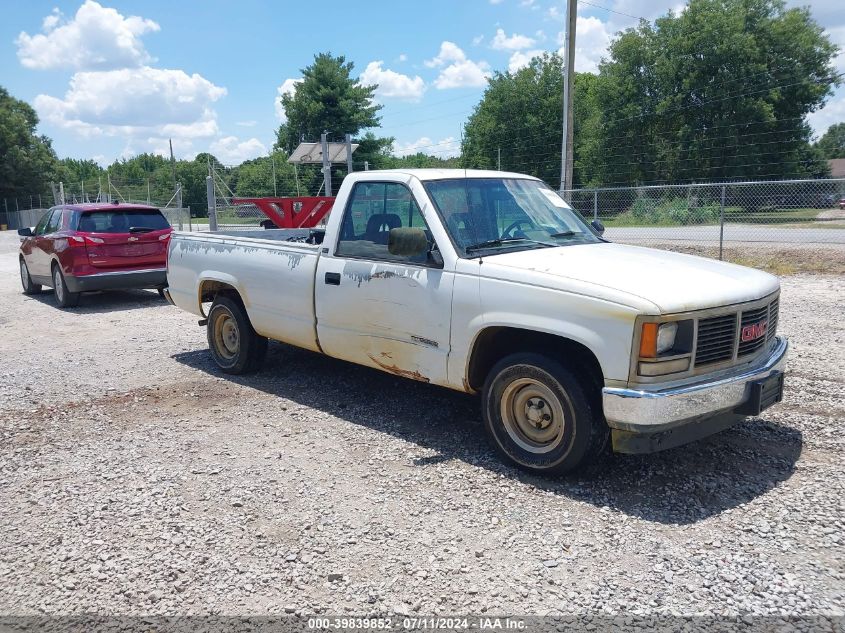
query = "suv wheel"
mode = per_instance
[
  {"x": 29, "y": 288},
  {"x": 64, "y": 297}
]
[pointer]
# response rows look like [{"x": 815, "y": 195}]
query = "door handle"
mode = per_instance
[{"x": 333, "y": 279}]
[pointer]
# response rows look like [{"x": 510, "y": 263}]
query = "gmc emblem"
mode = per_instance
[{"x": 754, "y": 331}]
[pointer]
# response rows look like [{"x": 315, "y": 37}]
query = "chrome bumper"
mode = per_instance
[{"x": 645, "y": 411}]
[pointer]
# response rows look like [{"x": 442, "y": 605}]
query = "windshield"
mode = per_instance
[{"x": 483, "y": 214}]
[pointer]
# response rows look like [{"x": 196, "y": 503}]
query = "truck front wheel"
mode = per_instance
[
  {"x": 234, "y": 345},
  {"x": 538, "y": 416}
]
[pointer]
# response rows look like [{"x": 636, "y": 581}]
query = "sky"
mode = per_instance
[{"x": 112, "y": 79}]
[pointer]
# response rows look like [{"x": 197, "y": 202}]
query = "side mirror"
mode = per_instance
[
  {"x": 25, "y": 232},
  {"x": 407, "y": 242},
  {"x": 598, "y": 226}
]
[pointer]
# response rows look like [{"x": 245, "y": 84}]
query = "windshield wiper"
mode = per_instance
[
  {"x": 140, "y": 229},
  {"x": 494, "y": 243},
  {"x": 563, "y": 234}
]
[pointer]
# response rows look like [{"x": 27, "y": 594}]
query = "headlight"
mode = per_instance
[
  {"x": 666, "y": 334},
  {"x": 665, "y": 348},
  {"x": 657, "y": 338}
]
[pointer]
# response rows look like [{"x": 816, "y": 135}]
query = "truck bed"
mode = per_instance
[
  {"x": 272, "y": 270},
  {"x": 306, "y": 236}
]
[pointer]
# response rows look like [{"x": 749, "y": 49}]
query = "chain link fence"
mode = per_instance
[
  {"x": 25, "y": 211},
  {"x": 719, "y": 214}
]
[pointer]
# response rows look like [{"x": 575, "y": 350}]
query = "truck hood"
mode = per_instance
[{"x": 671, "y": 282}]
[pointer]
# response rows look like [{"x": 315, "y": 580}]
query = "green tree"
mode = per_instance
[
  {"x": 520, "y": 114},
  {"x": 421, "y": 160},
  {"x": 832, "y": 142},
  {"x": 718, "y": 91},
  {"x": 255, "y": 177},
  {"x": 27, "y": 160},
  {"x": 328, "y": 99}
]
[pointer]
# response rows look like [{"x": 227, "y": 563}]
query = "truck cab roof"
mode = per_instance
[{"x": 447, "y": 174}]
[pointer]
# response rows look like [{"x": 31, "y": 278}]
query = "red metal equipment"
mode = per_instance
[{"x": 291, "y": 213}]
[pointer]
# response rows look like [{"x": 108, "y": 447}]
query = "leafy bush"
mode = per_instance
[{"x": 672, "y": 212}]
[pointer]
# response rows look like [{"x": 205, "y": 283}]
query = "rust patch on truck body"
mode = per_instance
[{"x": 393, "y": 369}]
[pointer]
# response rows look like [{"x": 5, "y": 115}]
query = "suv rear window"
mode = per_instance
[{"x": 121, "y": 220}]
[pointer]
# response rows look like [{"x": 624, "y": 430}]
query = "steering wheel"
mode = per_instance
[{"x": 515, "y": 225}]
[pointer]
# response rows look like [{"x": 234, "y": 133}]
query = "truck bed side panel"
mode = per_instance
[{"x": 275, "y": 280}]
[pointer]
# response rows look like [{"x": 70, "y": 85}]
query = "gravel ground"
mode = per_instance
[{"x": 135, "y": 479}]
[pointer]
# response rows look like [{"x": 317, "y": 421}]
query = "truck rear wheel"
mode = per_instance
[
  {"x": 234, "y": 345},
  {"x": 537, "y": 415}
]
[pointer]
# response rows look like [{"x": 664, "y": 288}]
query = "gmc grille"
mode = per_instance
[
  {"x": 716, "y": 337},
  {"x": 719, "y": 336}
]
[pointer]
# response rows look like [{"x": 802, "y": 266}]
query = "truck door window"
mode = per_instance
[{"x": 372, "y": 210}]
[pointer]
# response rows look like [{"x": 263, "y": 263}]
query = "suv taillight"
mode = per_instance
[{"x": 81, "y": 241}]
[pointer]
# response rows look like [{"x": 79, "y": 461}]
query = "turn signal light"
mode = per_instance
[{"x": 648, "y": 341}]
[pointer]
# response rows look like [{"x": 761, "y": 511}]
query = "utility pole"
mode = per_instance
[
  {"x": 327, "y": 165},
  {"x": 568, "y": 85},
  {"x": 273, "y": 158},
  {"x": 499, "y": 158},
  {"x": 348, "y": 139},
  {"x": 172, "y": 163}
]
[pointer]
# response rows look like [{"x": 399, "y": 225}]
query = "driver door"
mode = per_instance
[{"x": 385, "y": 311}]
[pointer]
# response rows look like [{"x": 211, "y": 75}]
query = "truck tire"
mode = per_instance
[
  {"x": 537, "y": 415},
  {"x": 64, "y": 297},
  {"x": 234, "y": 345},
  {"x": 29, "y": 288}
]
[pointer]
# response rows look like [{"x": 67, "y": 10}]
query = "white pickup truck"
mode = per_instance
[{"x": 487, "y": 282}]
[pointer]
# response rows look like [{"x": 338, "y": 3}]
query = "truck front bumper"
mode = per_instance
[{"x": 645, "y": 421}]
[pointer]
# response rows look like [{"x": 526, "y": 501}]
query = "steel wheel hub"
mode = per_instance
[
  {"x": 533, "y": 415},
  {"x": 227, "y": 336}
]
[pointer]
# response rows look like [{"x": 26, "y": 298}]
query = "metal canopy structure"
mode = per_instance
[{"x": 312, "y": 153}]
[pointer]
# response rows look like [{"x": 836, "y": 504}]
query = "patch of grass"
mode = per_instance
[
  {"x": 674, "y": 213},
  {"x": 773, "y": 216},
  {"x": 776, "y": 260}
]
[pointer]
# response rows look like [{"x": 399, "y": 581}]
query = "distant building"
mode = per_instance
[{"x": 837, "y": 167}]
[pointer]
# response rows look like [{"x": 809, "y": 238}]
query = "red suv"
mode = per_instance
[{"x": 82, "y": 247}]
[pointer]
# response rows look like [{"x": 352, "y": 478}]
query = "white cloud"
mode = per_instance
[
  {"x": 135, "y": 102},
  {"x": 392, "y": 84},
  {"x": 529, "y": 3},
  {"x": 288, "y": 87},
  {"x": 230, "y": 150},
  {"x": 97, "y": 38},
  {"x": 496, "y": 1},
  {"x": 449, "y": 52},
  {"x": 51, "y": 21},
  {"x": 515, "y": 42},
  {"x": 477, "y": 40},
  {"x": 448, "y": 147},
  {"x": 592, "y": 38},
  {"x": 250, "y": 123},
  {"x": 402, "y": 57},
  {"x": 521, "y": 59},
  {"x": 456, "y": 70},
  {"x": 833, "y": 112}
]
